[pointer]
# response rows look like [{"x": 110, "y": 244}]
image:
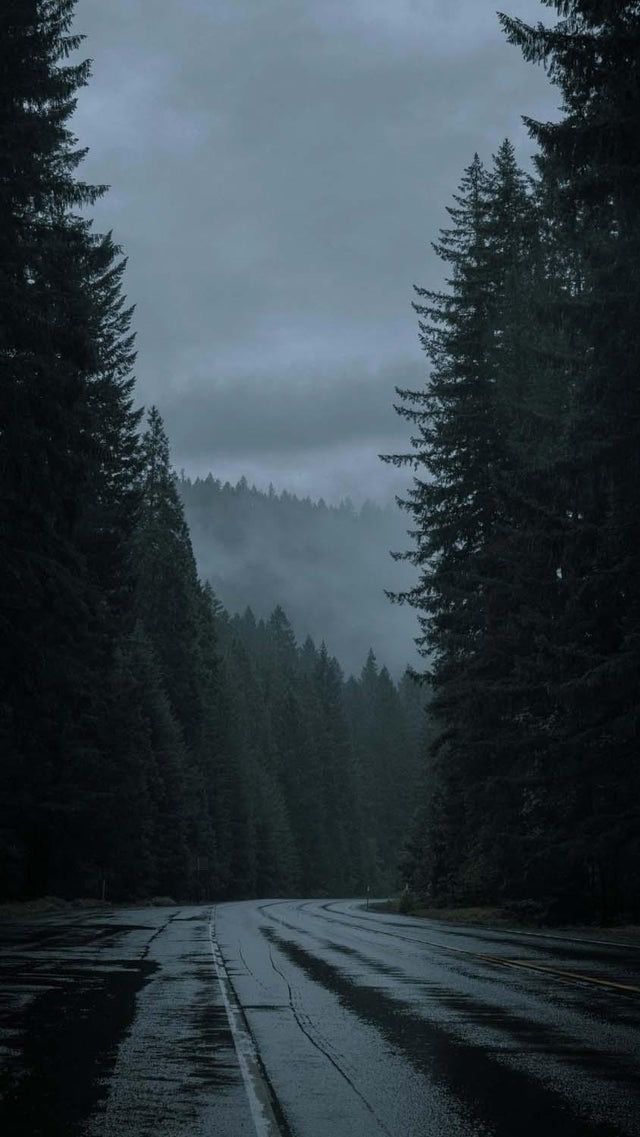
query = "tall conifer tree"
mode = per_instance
[
  {"x": 64, "y": 355},
  {"x": 470, "y": 512},
  {"x": 589, "y": 161}
]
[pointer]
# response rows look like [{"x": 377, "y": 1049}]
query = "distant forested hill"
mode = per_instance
[{"x": 327, "y": 565}]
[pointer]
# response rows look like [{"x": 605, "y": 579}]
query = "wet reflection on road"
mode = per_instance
[{"x": 365, "y": 1024}]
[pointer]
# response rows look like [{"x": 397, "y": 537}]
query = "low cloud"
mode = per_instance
[{"x": 251, "y": 415}]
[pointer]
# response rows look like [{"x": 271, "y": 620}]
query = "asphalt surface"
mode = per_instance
[{"x": 312, "y": 1019}]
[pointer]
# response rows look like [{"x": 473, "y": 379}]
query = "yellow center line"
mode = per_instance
[
  {"x": 559, "y": 974},
  {"x": 542, "y": 968}
]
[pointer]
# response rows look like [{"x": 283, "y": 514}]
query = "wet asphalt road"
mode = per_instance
[{"x": 313, "y": 1019}]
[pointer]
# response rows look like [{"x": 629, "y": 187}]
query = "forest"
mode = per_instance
[{"x": 154, "y": 741}]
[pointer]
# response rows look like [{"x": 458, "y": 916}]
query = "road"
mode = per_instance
[{"x": 312, "y": 1019}]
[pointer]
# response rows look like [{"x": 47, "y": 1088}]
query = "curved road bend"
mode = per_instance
[{"x": 314, "y": 1019}]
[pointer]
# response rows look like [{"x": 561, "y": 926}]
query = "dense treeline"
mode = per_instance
[
  {"x": 526, "y": 500},
  {"x": 327, "y": 769},
  {"x": 150, "y": 743},
  {"x": 256, "y": 548}
]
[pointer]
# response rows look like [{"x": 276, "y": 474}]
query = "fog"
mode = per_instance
[
  {"x": 327, "y": 567},
  {"x": 278, "y": 173}
]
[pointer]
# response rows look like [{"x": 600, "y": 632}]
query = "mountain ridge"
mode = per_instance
[{"x": 328, "y": 565}]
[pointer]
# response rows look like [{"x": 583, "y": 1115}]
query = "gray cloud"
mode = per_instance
[
  {"x": 284, "y": 413},
  {"x": 278, "y": 171}
]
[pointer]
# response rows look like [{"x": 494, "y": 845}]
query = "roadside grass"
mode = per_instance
[
  {"x": 52, "y": 905},
  {"x": 42, "y": 906},
  {"x": 471, "y": 915},
  {"x": 501, "y": 919}
]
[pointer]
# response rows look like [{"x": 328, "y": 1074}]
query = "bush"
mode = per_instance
[
  {"x": 407, "y": 901},
  {"x": 528, "y": 911}
]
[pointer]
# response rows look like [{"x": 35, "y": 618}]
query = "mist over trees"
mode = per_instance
[
  {"x": 259, "y": 548},
  {"x": 525, "y": 502}
]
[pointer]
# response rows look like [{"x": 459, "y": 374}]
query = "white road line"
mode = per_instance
[{"x": 256, "y": 1087}]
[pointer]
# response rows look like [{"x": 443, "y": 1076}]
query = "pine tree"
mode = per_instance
[
  {"x": 242, "y": 712},
  {"x": 341, "y": 821},
  {"x": 474, "y": 518},
  {"x": 590, "y": 158},
  {"x": 453, "y": 502},
  {"x": 265, "y": 859},
  {"x": 64, "y": 357},
  {"x": 176, "y": 618},
  {"x": 115, "y": 480}
]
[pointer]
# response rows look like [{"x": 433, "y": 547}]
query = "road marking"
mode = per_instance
[
  {"x": 447, "y": 925},
  {"x": 546, "y": 969},
  {"x": 560, "y": 973},
  {"x": 256, "y": 1086}
]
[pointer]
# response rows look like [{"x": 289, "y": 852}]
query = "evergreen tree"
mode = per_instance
[
  {"x": 341, "y": 821},
  {"x": 454, "y": 505},
  {"x": 265, "y": 859},
  {"x": 64, "y": 359},
  {"x": 590, "y": 163},
  {"x": 115, "y": 479},
  {"x": 475, "y": 514},
  {"x": 139, "y": 834},
  {"x": 242, "y": 718},
  {"x": 177, "y": 619}
]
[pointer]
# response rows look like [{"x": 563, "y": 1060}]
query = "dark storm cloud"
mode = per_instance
[{"x": 278, "y": 171}]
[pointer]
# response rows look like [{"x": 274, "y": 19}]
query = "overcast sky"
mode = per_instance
[{"x": 278, "y": 169}]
